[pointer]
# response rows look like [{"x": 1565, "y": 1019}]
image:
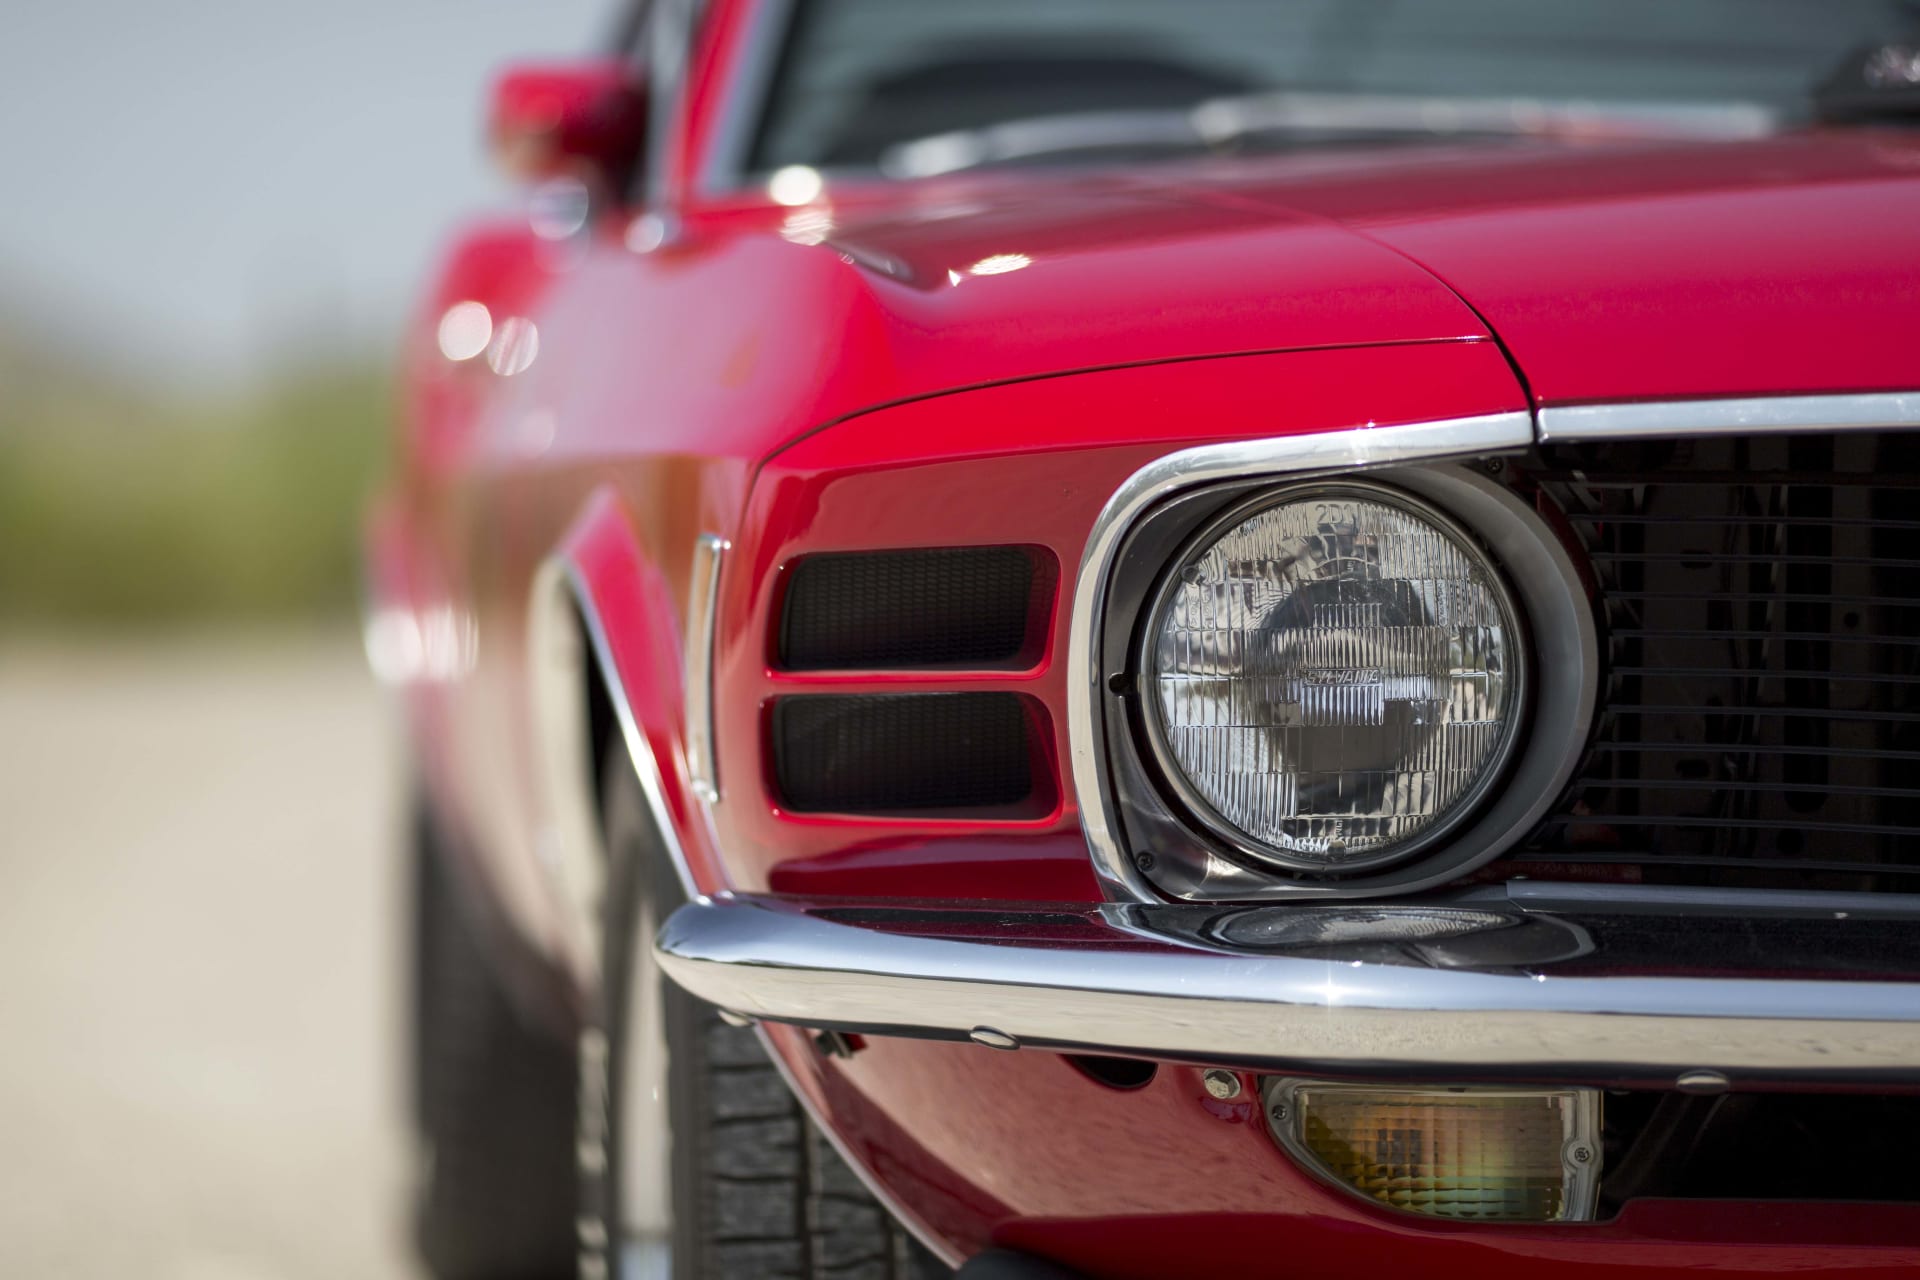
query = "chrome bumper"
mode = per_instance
[{"x": 1548, "y": 983}]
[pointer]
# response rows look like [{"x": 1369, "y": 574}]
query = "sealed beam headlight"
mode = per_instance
[
  {"x": 1488, "y": 1154},
  {"x": 1334, "y": 676}
]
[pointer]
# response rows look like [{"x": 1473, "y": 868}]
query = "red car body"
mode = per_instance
[{"x": 986, "y": 359}]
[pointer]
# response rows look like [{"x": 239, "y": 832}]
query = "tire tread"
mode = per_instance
[{"x": 753, "y": 1122}]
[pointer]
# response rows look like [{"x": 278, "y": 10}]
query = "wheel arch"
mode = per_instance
[
  {"x": 605, "y": 673},
  {"x": 607, "y": 669}
]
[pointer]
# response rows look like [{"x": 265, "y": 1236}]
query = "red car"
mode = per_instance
[{"x": 1142, "y": 640}]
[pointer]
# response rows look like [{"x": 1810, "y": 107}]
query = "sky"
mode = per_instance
[{"x": 195, "y": 187}]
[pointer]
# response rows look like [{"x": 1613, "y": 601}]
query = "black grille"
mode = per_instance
[
  {"x": 880, "y": 610},
  {"x": 900, "y": 753},
  {"x": 1760, "y": 620}
]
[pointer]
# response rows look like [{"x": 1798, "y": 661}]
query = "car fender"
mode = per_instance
[{"x": 602, "y": 610}]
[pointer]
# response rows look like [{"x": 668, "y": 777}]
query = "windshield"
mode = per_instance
[{"x": 861, "y": 80}]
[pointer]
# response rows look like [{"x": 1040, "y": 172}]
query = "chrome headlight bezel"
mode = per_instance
[
  {"x": 1153, "y": 714},
  {"x": 1174, "y": 854}
]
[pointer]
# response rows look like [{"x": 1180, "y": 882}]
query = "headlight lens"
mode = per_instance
[{"x": 1334, "y": 675}]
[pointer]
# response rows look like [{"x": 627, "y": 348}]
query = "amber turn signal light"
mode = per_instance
[{"x": 1470, "y": 1152}]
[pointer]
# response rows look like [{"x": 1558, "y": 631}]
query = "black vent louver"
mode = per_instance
[
  {"x": 890, "y": 610},
  {"x": 903, "y": 753}
]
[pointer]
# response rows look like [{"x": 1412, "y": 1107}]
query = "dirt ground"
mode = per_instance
[{"x": 199, "y": 991}]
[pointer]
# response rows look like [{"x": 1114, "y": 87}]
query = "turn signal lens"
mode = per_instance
[{"x": 1488, "y": 1154}]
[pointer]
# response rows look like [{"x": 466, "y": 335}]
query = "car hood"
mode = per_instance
[
  {"x": 1623, "y": 271},
  {"x": 1003, "y": 276},
  {"x": 1609, "y": 270}
]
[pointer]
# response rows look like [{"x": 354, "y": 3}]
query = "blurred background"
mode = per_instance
[{"x": 218, "y": 211}]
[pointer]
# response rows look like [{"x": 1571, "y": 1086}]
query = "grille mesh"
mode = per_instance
[
  {"x": 885, "y": 610},
  {"x": 1760, "y": 607},
  {"x": 895, "y": 753}
]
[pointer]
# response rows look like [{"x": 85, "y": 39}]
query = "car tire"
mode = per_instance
[
  {"x": 757, "y": 1191},
  {"x": 493, "y": 1102}
]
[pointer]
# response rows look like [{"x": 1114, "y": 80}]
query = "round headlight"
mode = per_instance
[{"x": 1334, "y": 675}]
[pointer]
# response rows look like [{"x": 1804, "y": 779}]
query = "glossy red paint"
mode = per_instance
[
  {"x": 831, "y": 333},
  {"x": 1026, "y": 463},
  {"x": 502, "y": 266},
  {"x": 886, "y": 368},
  {"x": 1637, "y": 270},
  {"x": 637, "y": 610},
  {"x": 1165, "y": 1180}
]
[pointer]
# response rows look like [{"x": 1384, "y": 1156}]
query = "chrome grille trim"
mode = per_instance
[{"x": 1884, "y": 411}]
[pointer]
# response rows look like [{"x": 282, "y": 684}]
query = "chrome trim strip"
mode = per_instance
[
  {"x": 1687, "y": 900},
  {"x": 1884, "y": 411},
  {"x": 703, "y": 602},
  {"x": 1145, "y": 981},
  {"x": 639, "y": 751},
  {"x": 1341, "y": 451}
]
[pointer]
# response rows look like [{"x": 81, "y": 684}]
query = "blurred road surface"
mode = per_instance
[{"x": 198, "y": 995}]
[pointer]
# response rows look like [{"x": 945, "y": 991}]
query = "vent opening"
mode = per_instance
[
  {"x": 980, "y": 608},
  {"x": 977, "y": 755}
]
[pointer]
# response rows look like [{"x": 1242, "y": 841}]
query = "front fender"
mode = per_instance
[{"x": 602, "y": 610}]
